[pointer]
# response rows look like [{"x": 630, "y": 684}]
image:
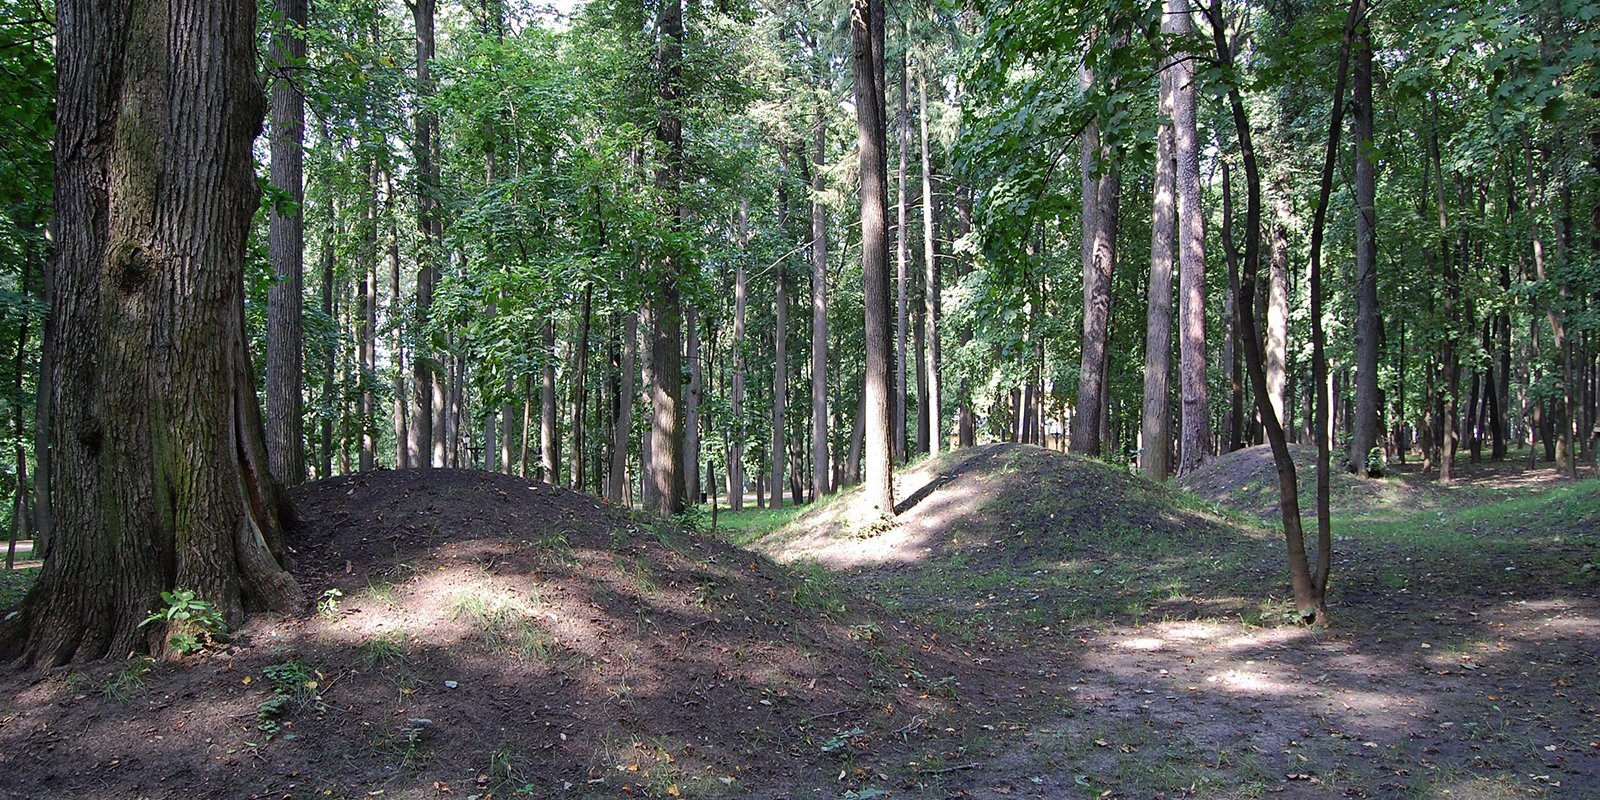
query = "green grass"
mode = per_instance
[
  {"x": 743, "y": 527},
  {"x": 14, "y": 585}
]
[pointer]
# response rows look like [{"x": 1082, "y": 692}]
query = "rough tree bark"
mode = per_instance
[
  {"x": 159, "y": 470},
  {"x": 866, "y": 40},
  {"x": 1194, "y": 438},
  {"x": 1102, "y": 187},
  {"x": 286, "y": 249},
  {"x": 1369, "y": 324},
  {"x": 1156, "y": 418},
  {"x": 666, "y": 332}
]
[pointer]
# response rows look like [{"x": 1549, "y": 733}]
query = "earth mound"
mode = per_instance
[
  {"x": 1246, "y": 481},
  {"x": 478, "y": 635},
  {"x": 1022, "y": 533}
]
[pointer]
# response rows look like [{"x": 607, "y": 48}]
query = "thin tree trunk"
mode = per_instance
[
  {"x": 549, "y": 437},
  {"x": 580, "y": 372},
  {"x": 902, "y": 262},
  {"x": 617, "y": 477},
  {"x": 932, "y": 410},
  {"x": 820, "y": 477},
  {"x": 691, "y": 408},
  {"x": 427, "y": 444},
  {"x": 736, "y": 478},
  {"x": 367, "y": 326},
  {"x": 777, "y": 448},
  {"x": 966, "y": 419}
]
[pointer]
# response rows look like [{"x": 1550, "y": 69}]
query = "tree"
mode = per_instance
[
  {"x": 866, "y": 43},
  {"x": 428, "y": 428},
  {"x": 666, "y": 332},
  {"x": 1194, "y": 439},
  {"x": 820, "y": 475},
  {"x": 1369, "y": 323},
  {"x": 155, "y": 191},
  {"x": 1155, "y": 451},
  {"x": 930, "y": 264},
  {"x": 1102, "y": 187},
  {"x": 286, "y": 243}
]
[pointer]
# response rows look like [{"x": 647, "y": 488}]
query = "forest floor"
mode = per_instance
[{"x": 1036, "y": 625}]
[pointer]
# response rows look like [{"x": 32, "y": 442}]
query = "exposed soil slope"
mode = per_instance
[{"x": 483, "y": 636}]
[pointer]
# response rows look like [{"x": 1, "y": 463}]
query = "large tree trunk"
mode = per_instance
[
  {"x": 159, "y": 465},
  {"x": 933, "y": 419},
  {"x": 821, "y": 482},
  {"x": 666, "y": 332},
  {"x": 427, "y": 444},
  {"x": 1194, "y": 439},
  {"x": 286, "y": 248},
  {"x": 1156, "y": 418},
  {"x": 866, "y": 39},
  {"x": 1369, "y": 324},
  {"x": 1099, "y": 258}
]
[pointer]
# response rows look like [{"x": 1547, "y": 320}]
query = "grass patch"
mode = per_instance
[
  {"x": 14, "y": 586},
  {"x": 743, "y": 527},
  {"x": 507, "y": 626}
]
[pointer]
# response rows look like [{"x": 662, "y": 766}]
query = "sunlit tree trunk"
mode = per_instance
[
  {"x": 902, "y": 266},
  {"x": 666, "y": 330},
  {"x": 1156, "y": 420},
  {"x": 866, "y": 39},
  {"x": 1194, "y": 438}
]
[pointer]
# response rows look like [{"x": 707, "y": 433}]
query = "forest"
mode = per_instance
[{"x": 1271, "y": 314}]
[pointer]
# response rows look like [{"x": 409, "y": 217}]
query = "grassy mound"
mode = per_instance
[
  {"x": 1246, "y": 481},
  {"x": 478, "y": 635},
  {"x": 1015, "y": 536}
]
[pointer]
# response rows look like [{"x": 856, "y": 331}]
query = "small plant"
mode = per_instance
[
  {"x": 127, "y": 682},
  {"x": 193, "y": 623},
  {"x": 293, "y": 686},
  {"x": 410, "y": 745},
  {"x": 382, "y": 650},
  {"x": 328, "y": 603}
]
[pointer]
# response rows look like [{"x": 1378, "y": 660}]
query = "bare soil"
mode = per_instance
[{"x": 1036, "y": 625}]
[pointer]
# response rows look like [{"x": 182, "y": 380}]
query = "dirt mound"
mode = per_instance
[
  {"x": 478, "y": 635},
  {"x": 1024, "y": 534},
  {"x": 1246, "y": 481}
]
